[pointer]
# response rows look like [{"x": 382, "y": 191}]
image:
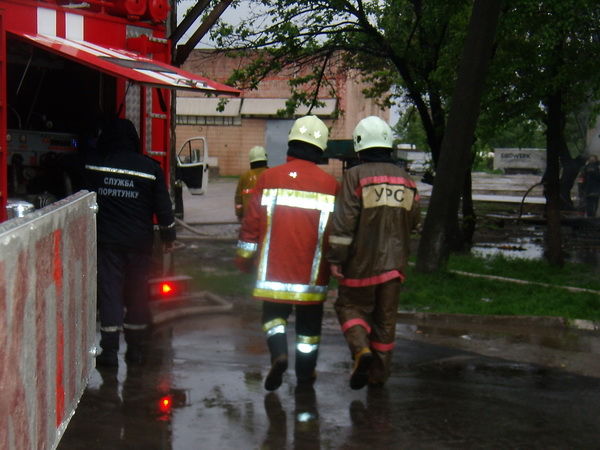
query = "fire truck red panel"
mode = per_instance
[{"x": 128, "y": 65}]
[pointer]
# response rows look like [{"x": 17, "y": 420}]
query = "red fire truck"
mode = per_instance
[{"x": 66, "y": 64}]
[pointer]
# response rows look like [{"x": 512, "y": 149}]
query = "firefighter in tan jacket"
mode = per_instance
[
  {"x": 246, "y": 183},
  {"x": 376, "y": 210}
]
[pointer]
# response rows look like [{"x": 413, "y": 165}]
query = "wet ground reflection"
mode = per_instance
[{"x": 202, "y": 389}]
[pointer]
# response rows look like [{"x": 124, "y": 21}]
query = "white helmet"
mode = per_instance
[
  {"x": 372, "y": 132},
  {"x": 310, "y": 129},
  {"x": 257, "y": 153}
]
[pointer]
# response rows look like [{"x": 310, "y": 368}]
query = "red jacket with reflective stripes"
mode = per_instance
[{"x": 285, "y": 232}]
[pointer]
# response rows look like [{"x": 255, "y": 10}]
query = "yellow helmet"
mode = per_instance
[
  {"x": 257, "y": 153},
  {"x": 372, "y": 132},
  {"x": 310, "y": 129}
]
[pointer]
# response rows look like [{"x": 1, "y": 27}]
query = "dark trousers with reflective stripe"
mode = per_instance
[
  {"x": 123, "y": 288},
  {"x": 308, "y": 323},
  {"x": 376, "y": 307}
]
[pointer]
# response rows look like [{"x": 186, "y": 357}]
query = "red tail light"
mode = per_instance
[
  {"x": 165, "y": 404},
  {"x": 168, "y": 288}
]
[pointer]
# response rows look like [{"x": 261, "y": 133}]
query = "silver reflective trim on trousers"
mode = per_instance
[
  {"x": 289, "y": 287},
  {"x": 130, "y": 326},
  {"x": 111, "y": 329},
  {"x": 166, "y": 227},
  {"x": 306, "y": 348},
  {"x": 279, "y": 329},
  {"x": 132, "y": 173},
  {"x": 297, "y": 199},
  {"x": 249, "y": 246},
  {"x": 305, "y": 417}
]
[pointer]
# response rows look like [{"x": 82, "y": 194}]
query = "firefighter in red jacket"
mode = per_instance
[
  {"x": 246, "y": 183},
  {"x": 377, "y": 209},
  {"x": 284, "y": 238}
]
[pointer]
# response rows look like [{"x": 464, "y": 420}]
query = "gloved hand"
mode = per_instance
[{"x": 243, "y": 264}]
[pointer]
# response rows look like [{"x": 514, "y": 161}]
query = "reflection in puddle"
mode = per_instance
[
  {"x": 580, "y": 246},
  {"x": 522, "y": 249}
]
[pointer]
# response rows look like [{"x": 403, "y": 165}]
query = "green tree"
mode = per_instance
[
  {"x": 545, "y": 70},
  {"x": 404, "y": 48},
  {"x": 458, "y": 140},
  {"x": 410, "y": 50}
]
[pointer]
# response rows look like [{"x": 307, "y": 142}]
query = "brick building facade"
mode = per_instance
[{"x": 252, "y": 119}]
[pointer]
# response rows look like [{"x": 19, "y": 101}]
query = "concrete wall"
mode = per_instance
[{"x": 47, "y": 320}]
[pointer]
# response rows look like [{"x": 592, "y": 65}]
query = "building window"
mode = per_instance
[{"x": 208, "y": 120}]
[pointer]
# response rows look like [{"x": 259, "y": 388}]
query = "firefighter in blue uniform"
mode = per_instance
[{"x": 131, "y": 191}]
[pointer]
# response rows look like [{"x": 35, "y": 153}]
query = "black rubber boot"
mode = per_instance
[
  {"x": 279, "y": 361},
  {"x": 136, "y": 341},
  {"x": 109, "y": 342},
  {"x": 360, "y": 373},
  {"x": 306, "y": 364},
  {"x": 275, "y": 376}
]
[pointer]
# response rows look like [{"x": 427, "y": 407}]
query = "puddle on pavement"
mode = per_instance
[
  {"x": 520, "y": 248},
  {"x": 529, "y": 243}
]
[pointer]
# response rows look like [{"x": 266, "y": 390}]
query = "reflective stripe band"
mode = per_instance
[
  {"x": 277, "y": 329},
  {"x": 308, "y": 339},
  {"x": 355, "y": 323},
  {"x": 290, "y": 296},
  {"x": 380, "y": 347},
  {"x": 306, "y": 348},
  {"x": 340, "y": 240},
  {"x": 131, "y": 326},
  {"x": 307, "y": 344},
  {"x": 132, "y": 173},
  {"x": 378, "y": 279},
  {"x": 246, "y": 249},
  {"x": 266, "y": 244},
  {"x": 299, "y": 199},
  {"x": 167, "y": 227},
  {"x": 273, "y": 323},
  {"x": 323, "y": 219},
  {"x": 292, "y": 288},
  {"x": 244, "y": 253},
  {"x": 111, "y": 329},
  {"x": 304, "y": 417},
  {"x": 386, "y": 179},
  {"x": 249, "y": 246}
]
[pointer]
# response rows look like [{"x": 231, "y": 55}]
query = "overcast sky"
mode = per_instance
[{"x": 230, "y": 15}]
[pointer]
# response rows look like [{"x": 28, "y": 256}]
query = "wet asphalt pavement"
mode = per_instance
[
  {"x": 530, "y": 384},
  {"x": 211, "y": 368}
]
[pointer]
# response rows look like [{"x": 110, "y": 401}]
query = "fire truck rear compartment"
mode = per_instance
[{"x": 55, "y": 108}]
